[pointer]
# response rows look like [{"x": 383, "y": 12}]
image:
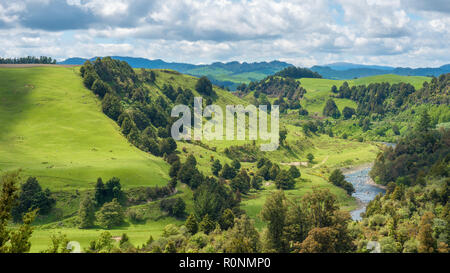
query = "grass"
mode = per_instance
[
  {"x": 53, "y": 128},
  {"x": 138, "y": 233}
]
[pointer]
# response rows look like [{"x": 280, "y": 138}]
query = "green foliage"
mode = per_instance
[
  {"x": 310, "y": 157},
  {"x": 216, "y": 167},
  {"x": 294, "y": 172},
  {"x": 174, "y": 206},
  {"x": 256, "y": 182},
  {"x": 348, "y": 112},
  {"x": 86, "y": 212},
  {"x": 204, "y": 87},
  {"x": 226, "y": 221},
  {"x": 191, "y": 224},
  {"x": 338, "y": 179},
  {"x": 284, "y": 180},
  {"x": 297, "y": 73},
  {"x": 243, "y": 237},
  {"x": 59, "y": 244},
  {"x": 331, "y": 109},
  {"x": 110, "y": 214},
  {"x": 213, "y": 198},
  {"x": 241, "y": 182},
  {"x": 207, "y": 225},
  {"x": 274, "y": 212},
  {"x": 32, "y": 197},
  {"x": 228, "y": 172},
  {"x": 17, "y": 240}
]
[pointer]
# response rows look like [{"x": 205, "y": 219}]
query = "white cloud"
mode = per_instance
[{"x": 309, "y": 32}]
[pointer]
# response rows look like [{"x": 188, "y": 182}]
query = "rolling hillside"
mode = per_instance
[
  {"x": 53, "y": 128},
  {"x": 318, "y": 90}
]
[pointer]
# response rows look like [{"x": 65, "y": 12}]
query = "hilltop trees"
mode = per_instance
[
  {"x": 297, "y": 73},
  {"x": 28, "y": 60},
  {"x": 204, "y": 86}
]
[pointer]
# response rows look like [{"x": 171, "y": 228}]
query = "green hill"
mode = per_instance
[
  {"x": 318, "y": 90},
  {"x": 53, "y": 128}
]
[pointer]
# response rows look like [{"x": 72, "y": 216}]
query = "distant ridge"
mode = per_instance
[
  {"x": 345, "y": 71},
  {"x": 231, "y": 74}
]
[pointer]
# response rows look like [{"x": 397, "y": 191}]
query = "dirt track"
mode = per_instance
[{"x": 34, "y": 65}]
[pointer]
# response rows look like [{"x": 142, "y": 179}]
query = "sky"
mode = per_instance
[{"x": 402, "y": 33}]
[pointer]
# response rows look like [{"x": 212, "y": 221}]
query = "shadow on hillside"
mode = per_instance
[{"x": 16, "y": 85}]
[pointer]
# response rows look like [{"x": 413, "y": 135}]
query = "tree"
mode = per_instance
[
  {"x": 241, "y": 182},
  {"x": 320, "y": 207},
  {"x": 310, "y": 157},
  {"x": 103, "y": 244},
  {"x": 100, "y": 88},
  {"x": 283, "y": 134},
  {"x": 424, "y": 123},
  {"x": 100, "y": 192},
  {"x": 236, "y": 164},
  {"x": 204, "y": 86},
  {"x": 207, "y": 225},
  {"x": 191, "y": 224},
  {"x": 257, "y": 182},
  {"x": 243, "y": 237},
  {"x": 19, "y": 238},
  {"x": 111, "y": 106},
  {"x": 331, "y": 110},
  {"x": 294, "y": 172},
  {"x": 427, "y": 243},
  {"x": 59, "y": 244},
  {"x": 338, "y": 179},
  {"x": 274, "y": 212},
  {"x": 216, "y": 167},
  {"x": 174, "y": 169},
  {"x": 110, "y": 214},
  {"x": 284, "y": 181},
  {"x": 31, "y": 197},
  {"x": 320, "y": 240},
  {"x": 274, "y": 171},
  {"x": 226, "y": 221},
  {"x": 348, "y": 112},
  {"x": 174, "y": 206},
  {"x": 228, "y": 172},
  {"x": 86, "y": 212}
]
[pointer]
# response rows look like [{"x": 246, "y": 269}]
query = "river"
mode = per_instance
[{"x": 364, "y": 191}]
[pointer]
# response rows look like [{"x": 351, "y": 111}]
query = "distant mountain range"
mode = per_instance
[
  {"x": 231, "y": 74},
  {"x": 228, "y": 74},
  {"x": 344, "y": 71}
]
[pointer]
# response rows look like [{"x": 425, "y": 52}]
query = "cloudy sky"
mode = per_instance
[{"x": 412, "y": 33}]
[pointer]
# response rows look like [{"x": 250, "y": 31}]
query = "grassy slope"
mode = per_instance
[
  {"x": 319, "y": 89},
  {"x": 53, "y": 128}
]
